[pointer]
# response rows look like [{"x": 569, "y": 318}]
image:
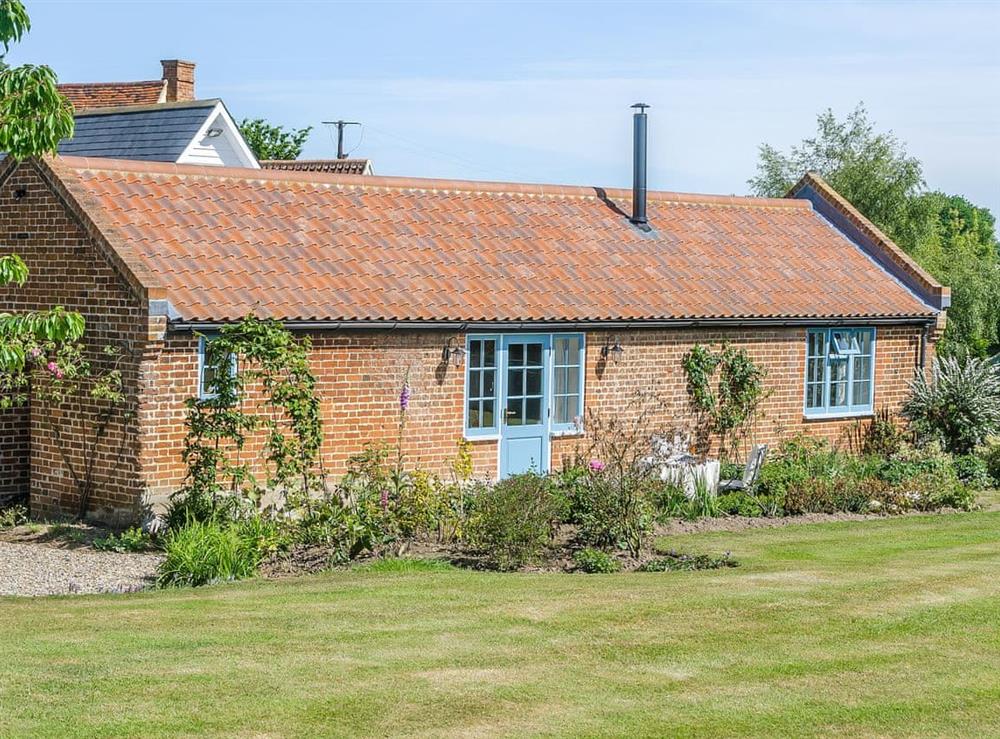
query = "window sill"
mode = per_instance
[
  {"x": 481, "y": 437},
  {"x": 571, "y": 434},
  {"x": 837, "y": 414}
]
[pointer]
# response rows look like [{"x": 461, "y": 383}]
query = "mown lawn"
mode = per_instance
[{"x": 887, "y": 628}]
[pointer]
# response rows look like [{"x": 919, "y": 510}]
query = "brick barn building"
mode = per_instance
[{"x": 561, "y": 304}]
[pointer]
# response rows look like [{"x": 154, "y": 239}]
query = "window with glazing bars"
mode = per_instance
[
  {"x": 840, "y": 371},
  {"x": 480, "y": 383}
]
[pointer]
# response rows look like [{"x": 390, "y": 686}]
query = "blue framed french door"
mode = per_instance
[{"x": 524, "y": 412}]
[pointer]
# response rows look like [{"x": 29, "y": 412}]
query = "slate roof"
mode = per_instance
[
  {"x": 152, "y": 133},
  {"x": 86, "y": 95},
  {"x": 332, "y": 166},
  {"x": 306, "y": 246}
]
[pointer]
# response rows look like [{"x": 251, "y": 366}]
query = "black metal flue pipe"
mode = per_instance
[{"x": 639, "y": 164}]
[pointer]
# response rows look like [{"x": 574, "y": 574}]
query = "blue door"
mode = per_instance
[{"x": 524, "y": 433}]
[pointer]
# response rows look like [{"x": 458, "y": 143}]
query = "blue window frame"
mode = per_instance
[
  {"x": 205, "y": 372},
  {"x": 567, "y": 382},
  {"x": 840, "y": 371},
  {"x": 482, "y": 386},
  {"x": 562, "y": 401}
]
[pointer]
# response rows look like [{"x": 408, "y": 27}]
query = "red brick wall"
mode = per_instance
[
  {"x": 359, "y": 379},
  {"x": 14, "y": 451},
  {"x": 361, "y": 373},
  {"x": 66, "y": 269},
  {"x": 652, "y": 362}
]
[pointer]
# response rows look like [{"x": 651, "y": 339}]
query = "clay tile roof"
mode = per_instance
[
  {"x": 87, "y": 95},
  {"x": 332, "y": 166},
  {"x": 311, "y": 246}
]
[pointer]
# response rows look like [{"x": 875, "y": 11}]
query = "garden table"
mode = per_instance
[{"x": 685, "y": 472}]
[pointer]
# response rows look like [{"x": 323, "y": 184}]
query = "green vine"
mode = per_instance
[
  {"x": 726, "y": 407},
  {"x": 272, "y": 392}
]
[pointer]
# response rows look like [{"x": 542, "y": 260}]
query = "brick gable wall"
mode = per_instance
[{"x": 66, "y": 269}]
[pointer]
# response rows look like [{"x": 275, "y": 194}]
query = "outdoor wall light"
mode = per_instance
[
  {"x": 613, "y": 351},
  {"x": 454, "y": 353},
  {"x": 213, "y": 133}
]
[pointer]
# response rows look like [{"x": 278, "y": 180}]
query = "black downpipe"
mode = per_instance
[{"x": 639, "y": 165}]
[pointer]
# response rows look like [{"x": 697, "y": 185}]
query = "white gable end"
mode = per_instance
[{"x": 219, "y": 143}]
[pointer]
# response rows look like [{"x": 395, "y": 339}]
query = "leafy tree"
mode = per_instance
[
  {"x": 962, "y": 253},
  {"x": 34, "y": 118},
  {"x": 871, "y": 169},
  {"x": 950, "y": 237},
  {"x": 273, "y": 142}
]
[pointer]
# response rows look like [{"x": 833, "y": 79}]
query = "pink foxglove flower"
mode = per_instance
[
  {"x": 35, "y": 352},
  {"x": 596, "y": 465},
  {"x": 384, "y": 500}
]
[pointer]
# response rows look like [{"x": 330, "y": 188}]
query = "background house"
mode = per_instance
[
  {"x": 330, "y": 166},
  {"x": 188, "y": 132},
  {"x": 155, "y": 120},
  {"x": 175, "y": 85}
]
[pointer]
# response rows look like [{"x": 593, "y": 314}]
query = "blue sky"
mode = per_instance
[{"x": 540, "y": 92}]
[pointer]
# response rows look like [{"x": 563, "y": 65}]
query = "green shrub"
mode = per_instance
[
  {"x": 739, "y": 503},
  {"x": 512, "y": 520},
  {"x": 991, "y": 454},
  {"x": 346, "y": 530},
  {"x": 424, "y": 505},
  {"x": 12, "y": 516},
  {"x": 668, "y": 501},
  {"x": 957, "y": 496},
  {"x": 973, "y": 471},
  {"x": 616, "y": 509},
  {"x": 595, "y": 561},
  {"x": 704, "y": 503},
  {"x": 266, "y": 535},
  {"x": 770, "y": 505},
  {"x": 730, "y": 470},
  {"x": 191, "y": 505},
  {"x": 795, "y": 462},
  {"x": 203, "y": 552},
  {"x": 959, "y": 406},
  {"x": 878, "y": 436},
  {"x": 674, "y": 561},
  {"x": 567, "y": 486},
  {"x": 132, "y": 539}
]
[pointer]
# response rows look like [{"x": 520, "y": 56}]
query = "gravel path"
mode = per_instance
[{"x": 37, "y": 569}]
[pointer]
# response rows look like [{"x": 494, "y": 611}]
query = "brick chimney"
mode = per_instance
[{"x": 179, "y": 76}]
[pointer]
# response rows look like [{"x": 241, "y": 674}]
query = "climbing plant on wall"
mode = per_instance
[
  {"x": 84, "y": 398},
  {"x": 726, "y": 389},
  {"x": 260, "y": 383}
]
